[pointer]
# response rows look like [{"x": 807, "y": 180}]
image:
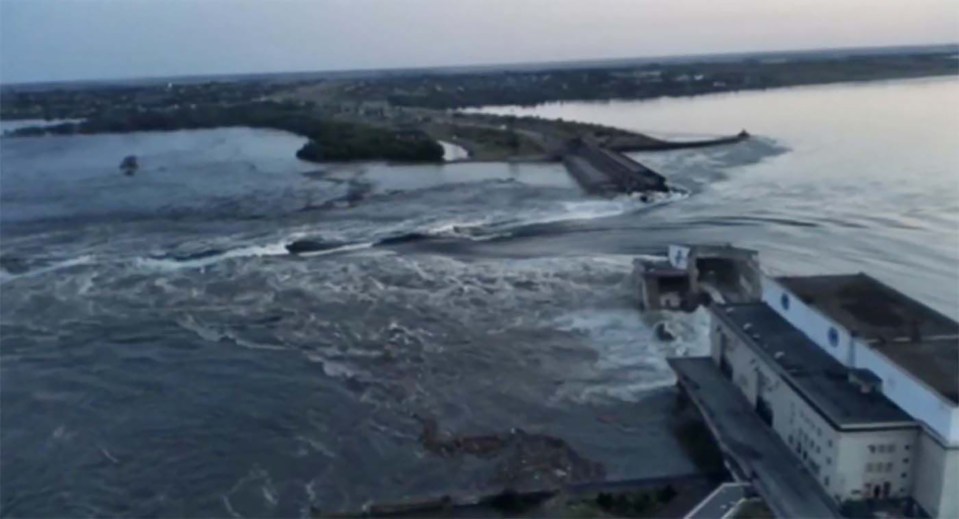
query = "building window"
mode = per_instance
[
  {"x": 905, "y": 461},
  {"x": 833, "y": 337},
  {"x": 906, "y": 447},
  {"x": 825, "y": 481},
  {"x": 784, "y": 301},
  {"x": 892, "y": 448},
  {"x": 872, "y": 449},
  {"x": 889, "y": 466},
  {"x": 904, "y": 475}
]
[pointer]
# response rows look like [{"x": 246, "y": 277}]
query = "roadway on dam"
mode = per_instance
[{"x": 757, "y": 456}]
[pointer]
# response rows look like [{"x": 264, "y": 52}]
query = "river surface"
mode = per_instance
[{"x": 162, "y": 354}]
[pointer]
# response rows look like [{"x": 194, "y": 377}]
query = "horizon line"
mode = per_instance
[{"x": 559, "y": 64}]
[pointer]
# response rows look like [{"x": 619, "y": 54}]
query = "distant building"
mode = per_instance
[{"x": 859, "y": 380}]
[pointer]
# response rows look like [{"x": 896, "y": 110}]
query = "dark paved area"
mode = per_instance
[{"x": 756, "y": 454}]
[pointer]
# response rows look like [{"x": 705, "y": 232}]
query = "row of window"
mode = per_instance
[
  {"x": 812, "y": 425},
  {"x": 885, "y": 448},
  {"x": 878, "y": 490},
  {"x": 807, "y": 440},
  {"x": 879, "y": 467}
]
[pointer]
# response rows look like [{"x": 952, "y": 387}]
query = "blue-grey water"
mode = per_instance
[{"x": 162, "y": 355}]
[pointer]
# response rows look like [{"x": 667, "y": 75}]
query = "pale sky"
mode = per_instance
[{"x": 48, "y": 40}]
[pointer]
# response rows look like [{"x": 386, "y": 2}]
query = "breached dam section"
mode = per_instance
[{"x": 604, "y": 172}]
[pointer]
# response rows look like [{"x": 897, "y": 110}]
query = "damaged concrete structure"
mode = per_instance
[
  {"x": 695, "y": 274},
  {"x": 604, "y": 172}
]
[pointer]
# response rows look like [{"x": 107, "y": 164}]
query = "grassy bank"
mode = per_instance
[{"x": 329, "y": 140}]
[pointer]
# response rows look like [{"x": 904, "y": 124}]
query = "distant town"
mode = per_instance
[{"x": 400, "y": 115}]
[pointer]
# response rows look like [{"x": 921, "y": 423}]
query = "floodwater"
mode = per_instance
[
  {"x": 859, "y": 177},
  {"x": 162, "y": 354}
]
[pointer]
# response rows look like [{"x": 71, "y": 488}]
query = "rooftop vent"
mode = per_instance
[
  {"x": 748, "y": 326},
  {"x": 865, "y": 380}
]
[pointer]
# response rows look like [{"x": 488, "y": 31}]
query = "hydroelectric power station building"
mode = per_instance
[{"x": 857, "y": 380}]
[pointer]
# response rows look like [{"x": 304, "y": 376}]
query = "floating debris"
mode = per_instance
[{"x": 129, "y": 165}]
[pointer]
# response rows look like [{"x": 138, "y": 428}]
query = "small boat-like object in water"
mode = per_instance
[{"x": 129, "y": 165}]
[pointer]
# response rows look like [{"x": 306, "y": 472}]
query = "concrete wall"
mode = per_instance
[
  {"x": 842, "y": 462},
  {"x": 745, "y": 364},
  {"x": 870, "y": 460},
  {"x": 914, "y": 397},
  {"x": 936, "y": 485},
  {"x": 648, "y": 289},
  {"x": 810, "y": 321},
  {"x": 814, "y": 441}
]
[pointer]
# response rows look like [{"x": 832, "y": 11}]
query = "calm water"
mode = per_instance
[
  {"x": 866, "y": 178},
  {"x": 163, "y": 355}
]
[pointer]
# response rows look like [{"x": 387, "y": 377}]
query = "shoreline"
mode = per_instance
[
  {"x": 400, "y": 135},
  {"x": 482, "y": 110}
]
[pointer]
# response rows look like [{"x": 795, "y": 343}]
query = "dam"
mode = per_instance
[
  {"x": 601, "y": 168},
  {"x": 604, "y": 172}
]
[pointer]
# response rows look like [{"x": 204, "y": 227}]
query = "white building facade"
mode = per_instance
[
  {"x": 894, "y": 356},
  {"x": 867, "y": 456}
]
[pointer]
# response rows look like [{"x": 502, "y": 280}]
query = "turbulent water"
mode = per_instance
[{"x": 162, "y": 354}]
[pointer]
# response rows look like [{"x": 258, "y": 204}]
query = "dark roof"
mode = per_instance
[
  {"x": 917, "y": 338},
  {"x": 935, "y": 362},
  {"x": 818, "y": 378},
  {"x": 719, "y": 248},
  {"x": 663, "y": 269},
  {"x": 870, "y": 308}
]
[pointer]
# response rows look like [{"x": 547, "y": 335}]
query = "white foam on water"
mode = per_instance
[
  {"x": 211, "y": 334},
  {"x": 631, "y": 360},
  {"x": 337, "y": 250},
  {"x": 6, "y": 277},
  {"x": 252, "y": 251},
  {"x": 461, "y": 230},
  {"x": 501, "y": 222},
  {"x": 453, "y": 151},
  {"x": 594, "y": 209}
]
